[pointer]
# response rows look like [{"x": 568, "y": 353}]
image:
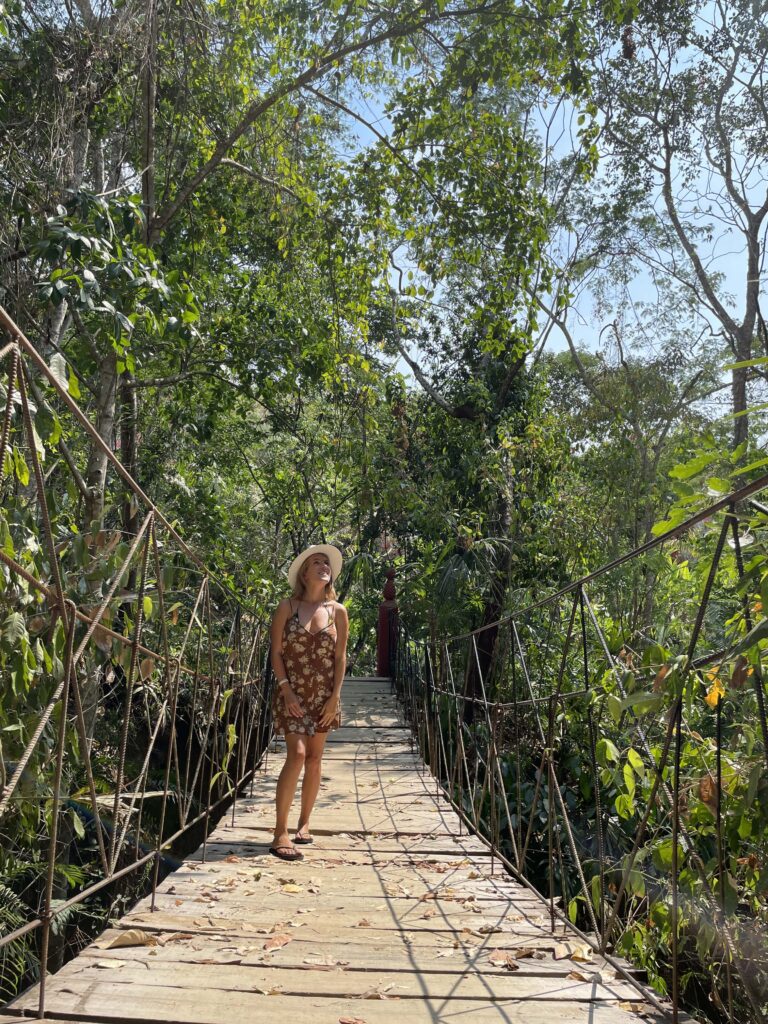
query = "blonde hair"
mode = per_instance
[{"x": 299, "y": 588}]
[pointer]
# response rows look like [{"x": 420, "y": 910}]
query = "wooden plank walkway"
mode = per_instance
[{"x": 391, "y": 913}]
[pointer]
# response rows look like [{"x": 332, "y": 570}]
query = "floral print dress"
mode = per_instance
[{"x": 309, "y": 660}]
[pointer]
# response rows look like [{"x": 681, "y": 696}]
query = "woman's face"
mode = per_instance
[{"x": 317, "y": 568}]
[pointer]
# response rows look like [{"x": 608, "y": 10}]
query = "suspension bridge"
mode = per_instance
[
  {"x": 452, "y": 875},
  {"x": 396, "y": 909}
]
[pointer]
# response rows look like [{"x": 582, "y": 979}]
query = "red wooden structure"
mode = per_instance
[{"x": 385, "y": 651}]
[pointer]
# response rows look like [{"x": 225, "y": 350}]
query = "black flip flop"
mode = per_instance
[
  {"x": 295, "y": 855},
  {"x": 303, "y": 842}
]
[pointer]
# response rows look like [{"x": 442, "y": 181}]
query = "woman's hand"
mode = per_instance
[
  {"x": 292, "y": 702},
  {"x": 330, "y": 711}
]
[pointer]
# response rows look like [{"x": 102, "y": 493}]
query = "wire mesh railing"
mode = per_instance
[
  {"x": 610, "y": 742},
  {"x": 135, "y": 696}
]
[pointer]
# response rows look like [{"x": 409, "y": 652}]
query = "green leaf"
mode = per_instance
[
  {"x": 224, "y": 701},
  {"x": 58, "y": 367},
  {"x": 20, "y": 467},
  {"x": 614, "y": 707},
  {"x": 74, "y": 386},
  {"x": 606, "y": 751},
  {"x": 629, "y": 779},
  {"x": 693, "y": 467},
  {"x": 625, "y": 805},
  {"x": 759, "y": 361},
  {"x": 147, "y": 606},
  {"x": 642, "y": 702},
  {"x": 77, "y": 823},
  {"x": 754, "y": 636},
  {"x": 573, "y": 910},
  {"x": 14, "y": 628},
  {"x": 751, "y": 466},
  {"x": 636, "y": 761}
]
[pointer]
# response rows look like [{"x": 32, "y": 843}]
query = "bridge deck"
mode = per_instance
[{"x": 391, "y": 912}]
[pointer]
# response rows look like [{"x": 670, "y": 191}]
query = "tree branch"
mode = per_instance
[
  {"x": 262, "y": 178},
  {"x": 311, "y": 74}
]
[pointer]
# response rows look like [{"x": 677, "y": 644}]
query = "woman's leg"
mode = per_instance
[
  {"x": 286, "y": 785},
  {"x": 311, "y": 784}
]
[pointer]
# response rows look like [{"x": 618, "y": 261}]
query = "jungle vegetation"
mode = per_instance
[{"x": 474, "y": 291}]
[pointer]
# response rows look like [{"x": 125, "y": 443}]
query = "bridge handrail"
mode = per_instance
[
  {"x": 191, "y": 707},
  {"x": 489, "y": 710},
  {"x": 741, "y": 494}
]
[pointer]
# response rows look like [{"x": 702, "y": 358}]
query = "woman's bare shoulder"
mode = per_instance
[
  {"x": 339, "y": 609},
  {"x": 283, "y": 608}
]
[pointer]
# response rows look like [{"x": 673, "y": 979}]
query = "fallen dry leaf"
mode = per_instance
[
  {"x": 579, "y": 976},
  {"x": 378, "y": 993},
  {"x": 430, "y": 913},
  {"x": 292, "y": 889},
  {"x": 112, "y": 965},
  {"x": 363, "y": 923},
  {"x": 133, "y": 937},
  {"x": 633, "y": 1007},
  {"x": 501, "y": 958},
  {"x": 276, "y": 942},
  {"x": 489, "y": 929},
  {"x": 569, "y": 950},
  {"x": 233, "y": 859},
  {"x": 526, "y": 952},
  {"x": 325, "y": 962},
  {"x": 163, "y": 940},
  {"x": 351, "y": 1020}
]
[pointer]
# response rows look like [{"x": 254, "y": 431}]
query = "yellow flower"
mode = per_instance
[{"x": 715, "y": 693}]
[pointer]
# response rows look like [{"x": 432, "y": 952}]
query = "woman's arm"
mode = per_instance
[
  {"x": 279, "y": 619},
  {"x": 331, "y": 706},
  {"x": 342, "y": 633}
]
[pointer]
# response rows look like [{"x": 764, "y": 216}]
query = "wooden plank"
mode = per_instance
[
  {"x": 347, "y": 788},
  {"x": 440, "y": 956},
  {"x": 459, "y": 879},
  {"x": 113, "y": 1001},
  {"x": 419, "y": 845},
  {"x": 343, "y": 853},
  {"x": 210, "y": 920},
  {"x": 351, "y": 912},
  {"x": 342, "y": 982}
]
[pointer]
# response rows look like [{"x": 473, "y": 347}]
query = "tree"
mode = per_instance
[{"x": 685, "y": 139}]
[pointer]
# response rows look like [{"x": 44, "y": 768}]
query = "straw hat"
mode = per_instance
[{"x": 334, "y": 557}]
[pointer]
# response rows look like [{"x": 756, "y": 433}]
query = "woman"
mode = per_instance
[{"x": 309, "y": 658}]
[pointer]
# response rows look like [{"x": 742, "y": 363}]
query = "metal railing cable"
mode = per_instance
[
  {"x": 136, "y": 697},
  {"x": 616, "y": 771}
]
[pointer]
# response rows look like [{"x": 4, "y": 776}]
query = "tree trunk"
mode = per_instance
[
  {"x": 96, "y": 471},
  {"x": 739, "y": 403},
  {"x": 479, "y": 679},
  {"x": 129, "y": 411}
]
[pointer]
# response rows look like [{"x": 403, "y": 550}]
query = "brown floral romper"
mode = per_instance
[{"x": 310, "y": 663}]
